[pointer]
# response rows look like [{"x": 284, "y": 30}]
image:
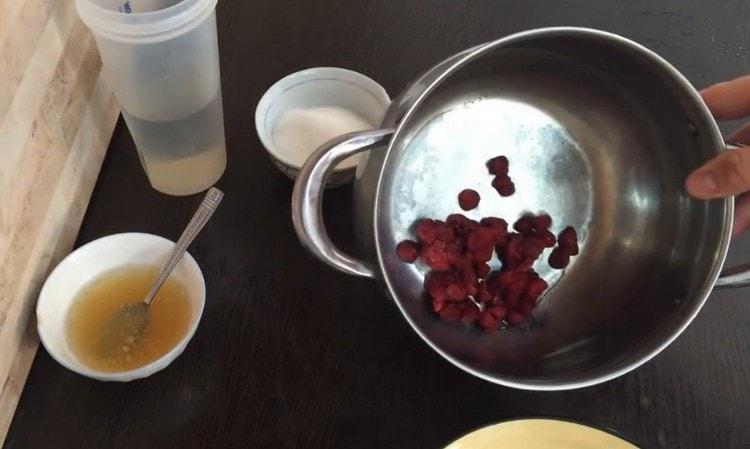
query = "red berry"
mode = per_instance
[
  {"x": 568, "y": 240},
  {"x": 465, "y": 261},
  {"x": 456, "y": 220},
  {"x": 526, "y": 307},
  {"x": 505, "y": 278},
  {"x": 547, "y": 238},
  {"x": 470, "y": 314},
  {"x": 435, "y": 283},
  {"x": 481, "y": 243},
  {"x": 494, "y": 222},
  {"x": 444, "y": 231},
  {"x": 526, "y": 264},
  {"x": 499, "y": 228},
  {"x": 498, "y": 165},
  {"x": 455, "y": 293},
  {"x": 462, "y": 224},
  {"x": 511, "y": 254},
  {"x": 504, "y": 185},
  {"x": 558, "y": 259},
  {"x": 531, "y": 247},
  {"x": 469, "y": 280},
  {"x": 542, "y": 222},
  {"x": 515, "y": 318},
  {"x": 454, "y": 250},
  {"x": 483, "y": 293},
  {"x": 482, "y": 269},
  {"x": 435, "y": 256},
  {"x": 426, "y": 230},
  {"x": 517, "y": 285},
  {"x": 498, "y": 312},
  {"x": 525, "y": 224},
  {"x": 407, "y": 251},
  {"x": 535, "y": 288},
  {"x": 512, "y": 299},
  {"x": 468, "y": 199},
  {"x": 451, "y": 312},
  {"x": 488, "y": 321}
]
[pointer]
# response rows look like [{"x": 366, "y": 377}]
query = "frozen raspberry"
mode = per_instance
[
  {"x": 436, "y": 256},
  {"x": 558, "y": 259},
  {"x": 498, "y": 165},
  {"x": 542, "y": 222},
  {"x": 489, "y": 322},
  {"x": 515, "y": 318},
  {"x": 504, "y": 185},
  {"x": 468, "y": 199},
  {"x": 451, "y": 312},
  {"x": 547, "y": 238},
  {"x": 426, "y": 230},
  {"x": 482, "y": 269},
  {"x": 525, "y": 224},
  {"x": 407, "y": 251},
  {"x": 535, "y": 288},
  {"x": 481, "y": 243},
  {"x": 470, "y": 314},
  {"x": 568, "y": 240}
]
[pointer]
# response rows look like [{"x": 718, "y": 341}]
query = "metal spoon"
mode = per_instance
[{"x": 126, "y": 326}]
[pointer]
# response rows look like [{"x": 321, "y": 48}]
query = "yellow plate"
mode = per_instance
[{"x": 539, "y": 434}]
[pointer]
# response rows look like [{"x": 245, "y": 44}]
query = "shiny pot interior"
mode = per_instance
[{"x": 600, "y": 134}]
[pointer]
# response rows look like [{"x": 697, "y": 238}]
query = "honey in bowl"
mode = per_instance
[{"x": 170, "y": 316}]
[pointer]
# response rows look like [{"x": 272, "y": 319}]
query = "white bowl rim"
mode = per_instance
[
  {"x": 363, "y": 81},
  {"x": 145, "y": 370}
]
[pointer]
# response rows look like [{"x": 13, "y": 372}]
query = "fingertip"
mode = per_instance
[
  {"x": 702, "y": 185},
  {"x": 740, "y": 225},
  {"x": 728, "y": 100},
  {"x": 741, "y": 214},
  {"x": 707, "y": 93},
  {"x": 738, "y": 229},
  {"x": 713, "y": 97}
]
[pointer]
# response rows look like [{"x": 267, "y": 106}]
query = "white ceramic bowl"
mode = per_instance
[
  {"x": 89, "y": 262},
  {"x": 315, "y": 87}
]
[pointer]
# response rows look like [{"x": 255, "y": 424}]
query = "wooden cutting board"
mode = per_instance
[{"x": 57, "y": 114}]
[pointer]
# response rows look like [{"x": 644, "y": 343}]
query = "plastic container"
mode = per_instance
[{"x": 161, "y": 58}]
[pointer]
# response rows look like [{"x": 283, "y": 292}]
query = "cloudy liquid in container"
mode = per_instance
[
  {"x": 184, "y": 156},
  {"x": 170, "y": 317}
]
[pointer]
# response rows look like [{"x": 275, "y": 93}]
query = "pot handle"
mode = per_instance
[
  {"x": 738, "y": 276},
  {"x": 307, "y": 198}
]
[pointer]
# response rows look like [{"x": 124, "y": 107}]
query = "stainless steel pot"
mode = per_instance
[{"x": 601, "y": 133}]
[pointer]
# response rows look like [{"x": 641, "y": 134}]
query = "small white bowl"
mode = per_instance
[
  {"x": 89, "y": 262},
  {"x": 316, "y": 87}
]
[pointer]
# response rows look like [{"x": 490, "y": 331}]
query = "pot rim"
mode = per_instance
[{"x": 715, "y": 134}]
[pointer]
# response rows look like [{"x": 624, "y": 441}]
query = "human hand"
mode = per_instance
[{"x": 728, "y": 173}]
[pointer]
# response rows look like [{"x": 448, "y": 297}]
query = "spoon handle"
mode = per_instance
[{"x": 205, "y": 210}]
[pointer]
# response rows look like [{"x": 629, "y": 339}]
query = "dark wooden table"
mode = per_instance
[{"x": 292, "y": 354}]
